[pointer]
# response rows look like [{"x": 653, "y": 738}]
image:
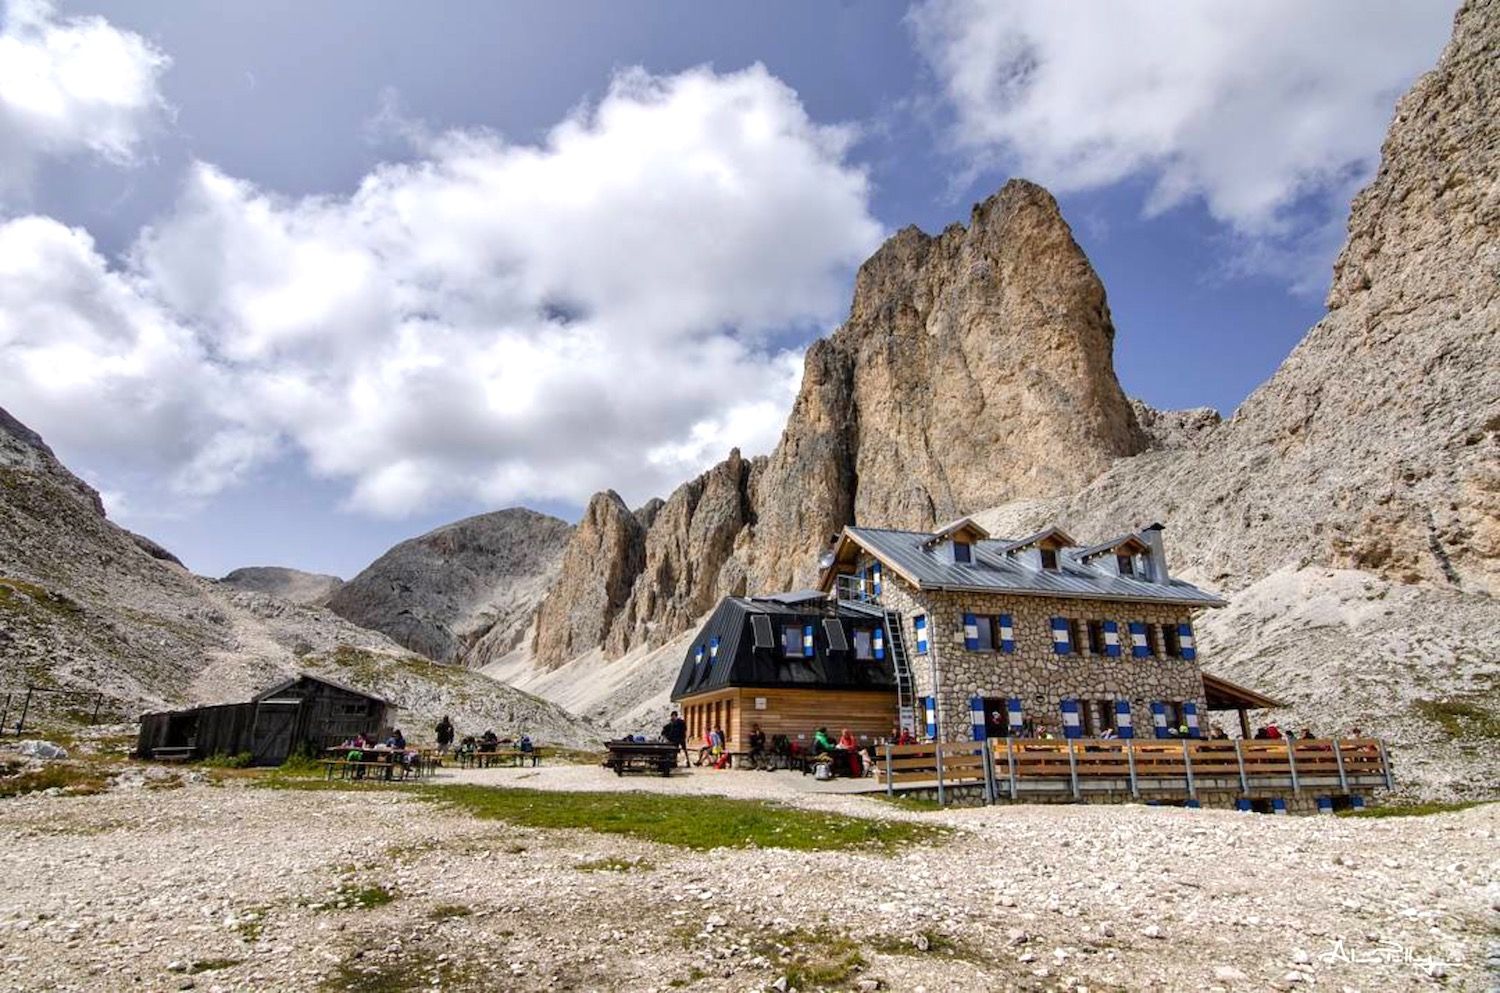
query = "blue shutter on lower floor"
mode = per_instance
[
  {"x": 880, "y": 643},
  {"x": 1017, "y": 716},
  {"x": 1159, "y": 718},
  {"x": 1138, "y": 646},
  {"x": 1186, "y": 641},
  {"x": 930, "y": 705},
  {"x": 875, "y": 576},
  {"x": 976, "y": 716},
  {"x": 971, "y": 633},
  {"x": 920, "y": 624},
  {"x": 1071, "y": 720},
  {"x": 1112, "y": 639},
  {"x": 1190, "y": 718},
  {"x": 1007, "y": 633},
  {"x": 1124, "y": 723},
  {"x": 1060, "y": 643},
  {"x": 807, "y": 641}
]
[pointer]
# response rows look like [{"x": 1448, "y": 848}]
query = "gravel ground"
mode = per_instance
[{"x": 237, "y": 888}]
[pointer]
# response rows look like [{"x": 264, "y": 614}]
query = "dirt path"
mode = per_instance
[{"x": 238, "y": 888}]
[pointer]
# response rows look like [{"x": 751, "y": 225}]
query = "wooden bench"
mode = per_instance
[
  {"x": 641, "y": 756},
  {"x": 173, "y": 753},
  {"x": 383, "y": 770}
]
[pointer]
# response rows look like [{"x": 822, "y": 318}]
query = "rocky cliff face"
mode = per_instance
[
  {"x": 288, "y": 584},
  {"x": 86, "y": 605},
  {"x": 969, "y": 360},
  {"x": 474, "y": 581}
]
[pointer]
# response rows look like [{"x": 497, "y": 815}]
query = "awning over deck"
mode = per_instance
[{"x": 1221, "y": 694}]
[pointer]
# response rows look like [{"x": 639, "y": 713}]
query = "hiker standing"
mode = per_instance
[
  {"x": 674, "y": 732},
  {"x": 444, "y": 732}
]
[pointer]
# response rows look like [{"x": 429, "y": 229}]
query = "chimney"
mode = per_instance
[{"x": 1151, "y": 535}]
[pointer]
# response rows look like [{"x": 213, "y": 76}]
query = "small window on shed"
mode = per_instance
[
  {"x": 1049, "y": 559},
  {"x": 962, "y": 552},
  {"x": 864, "y": 644},
  {"x": 1126, "y": 564},
  {"x": 791, "y": 640}
]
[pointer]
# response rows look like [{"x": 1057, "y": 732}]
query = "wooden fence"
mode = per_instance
[{"x": 1017, "y": 767}]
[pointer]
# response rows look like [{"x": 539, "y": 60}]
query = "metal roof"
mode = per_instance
[
  {"x": 992, "y": 570},
  {"x": 264, "y": 695}
]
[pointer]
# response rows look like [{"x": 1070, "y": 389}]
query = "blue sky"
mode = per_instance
[{"x": 290, "y": 282}]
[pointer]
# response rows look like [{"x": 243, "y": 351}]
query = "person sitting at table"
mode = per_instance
[
  {"x": 822, "y": 744},
  {"x": 397, "y": 740},
  {"x": 850, "y": 746},
  {"x": 757, "y": 746},
  {"x": 488, "y": 741},
  {"x": 706, "y": 749},
  {"x": 720, "y": 753},
  {"x": 525, "y": 745}
]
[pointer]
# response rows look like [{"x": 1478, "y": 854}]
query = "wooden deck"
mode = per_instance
[{"x": 1153, "y": 769}]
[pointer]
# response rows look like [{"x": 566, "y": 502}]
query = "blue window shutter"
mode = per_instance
[
  {"x": 698, "y": 656},
  {"x": 971, "y": 633},
  {"x": 1124, "y": 723},
  {"x": 713, "y": 648},
  {"x": 1243, "y": 805},
  {"x": 880, "y": 643},
  {"x": 1016, "y": 714},
  {"x": 1007, "y": 633},
  {"x": 1112, "y": 639},
  {"x": 1190, "y": 718},
  {"x": 1138, "y": 646},
  {"x": 1060, "y": 636},
  {"x": 1186, "y": 641},
  {"x": 1159, "y": 718},
  {"x": 976, "y": 716},
  {"x": 930, "y": 705},
  {"x": 875, "y": 571},
  {"x": 807, "y": 641},
  {"x": 1071, "y": 720},
  {"x": 1278, "y": 805},
  {"x": 920, "y": 624}
]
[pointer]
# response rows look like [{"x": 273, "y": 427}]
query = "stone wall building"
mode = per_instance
[{"x": 1034, "y": 635}]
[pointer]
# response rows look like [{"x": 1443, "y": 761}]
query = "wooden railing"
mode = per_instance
[{"x": 1174, "y": 766}]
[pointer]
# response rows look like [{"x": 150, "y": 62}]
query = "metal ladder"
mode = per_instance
[{"x": 905, "y": 689}]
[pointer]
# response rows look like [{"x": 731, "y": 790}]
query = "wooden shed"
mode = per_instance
[{"x": 304, "y": 714}]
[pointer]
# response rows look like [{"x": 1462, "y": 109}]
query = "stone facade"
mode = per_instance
[{"x": 1034, "y": 672}]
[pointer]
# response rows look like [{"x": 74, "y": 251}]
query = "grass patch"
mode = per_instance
[
  {"x": 350, "y": 896},
  {"x": 252, "y": 923},
  {"x": 211, "y": 965},
  {"x": 614, "y": 865},
  {"x": 1414, "y": 809},
  {"x": 73, "y": 779},
  {"x": 413, "y": 971},
  {"x": 915, "y": 803},
  {"x": 1472, "y": 719},
  {"x": 448, "y": 912},
  {"x": 697, "y": 822},
  {"x": 814, "y": 959},
  {"x": 219, "y": 760}
]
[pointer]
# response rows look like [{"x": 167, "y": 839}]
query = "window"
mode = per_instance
[
  {"x": 1049, "y": 559},
  {"x": 1172, "y": 641},
  {"x": 791, "y": 640},
  {"x": 962, "y": 552},
  {"x": 1096, "y": 637},
  {"x": 1075, "y": 642},
  {"x": 1153, "y": 647},
  {"x": 986, "y": 626},
  {"x": 1126, "y": 564},
  {"x": 1100, "y": 715},
  {"x": 864, "y": 643}
]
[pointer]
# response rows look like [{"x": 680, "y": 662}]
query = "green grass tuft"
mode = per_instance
[
  {"x": 1414, "y": 809},
  {"x": 614, "y": 865},
  {"x": 1471, "y": 719}
]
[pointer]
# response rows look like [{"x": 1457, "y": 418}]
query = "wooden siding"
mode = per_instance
[{"x": 796, "y": 713}]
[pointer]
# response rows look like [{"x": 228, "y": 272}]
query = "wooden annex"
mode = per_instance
[{"x": 305, "y": 714}]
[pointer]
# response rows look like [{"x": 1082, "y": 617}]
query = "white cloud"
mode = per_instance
[
  {"x": 492, "y": 322},
  {"x": 71, "y": 86},
  {"x": 1254, "y": 108}
]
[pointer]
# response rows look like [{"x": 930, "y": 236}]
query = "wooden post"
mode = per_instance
[
  {"x": 890, "y": 784},
  {"x": 25, "y": 706},
  {"x": 1135, "y": 786},
  {"x": 1010, "y": 758},
  {"x": 1244, "y": 724},
  {"x": 1385, "y": 766},
  {"x": 1187, "y": 764}
]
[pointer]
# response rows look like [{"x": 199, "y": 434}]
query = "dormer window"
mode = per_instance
[
  {"x": 962, "y": 553},
  {"x": 1126, "y": 564},
  {"x": 1049, "y": 559}
]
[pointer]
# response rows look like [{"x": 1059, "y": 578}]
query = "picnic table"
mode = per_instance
[
  {"x": 498, "y": 756},
  {"x": 379, "y": 763},
  {"x": 641, "y": 756}
]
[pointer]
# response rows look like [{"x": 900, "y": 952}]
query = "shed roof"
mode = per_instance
[
  {"x": 992, "y": 569},
  {"x": 287, "y": 684}
]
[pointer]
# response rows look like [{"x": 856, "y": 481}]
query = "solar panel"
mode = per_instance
[
  {"x": 835, "y": 633},
  {"x": 764, "y": 637}
]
